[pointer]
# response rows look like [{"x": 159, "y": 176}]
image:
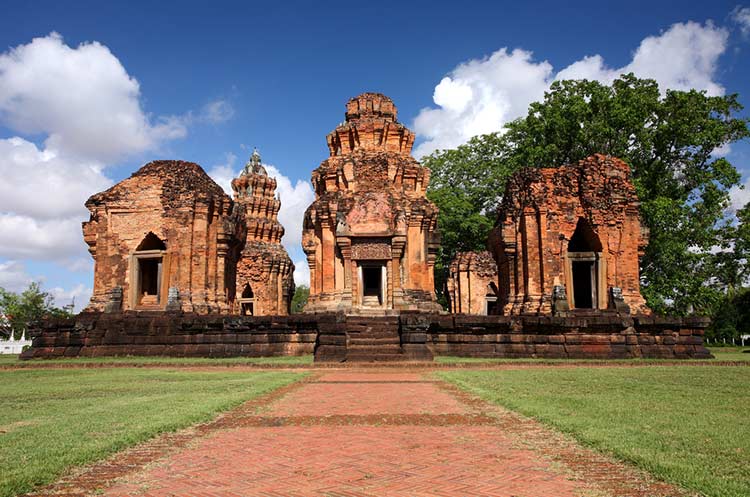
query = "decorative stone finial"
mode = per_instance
[{"x": 254, "y": 166}]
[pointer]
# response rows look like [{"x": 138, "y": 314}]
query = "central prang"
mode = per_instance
[{"x": 371, "y": 235}]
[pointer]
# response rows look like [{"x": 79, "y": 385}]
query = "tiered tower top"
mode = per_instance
[
  {"x": 257, "y": 192},
  {"x": 370, "y": 125}
]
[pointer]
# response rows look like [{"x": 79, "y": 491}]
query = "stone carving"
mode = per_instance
[
  {"x": 173, "y": 299},
  {"x": 559, "y": 301},
  {"x": 618, "y": 302},
  {"x": 371, "y": 249},
  {"x": 371, "y": 187},
  {"x": 114, "y": 300}
]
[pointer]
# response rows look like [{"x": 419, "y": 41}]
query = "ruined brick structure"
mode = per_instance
[
  {"x": 472, "y": 284},
  {"x": 164, "y": 239},
  {"x": 264, "y": 281},
  {"x": 371, "y": 236},
  {"x": 568, "y": 239}
]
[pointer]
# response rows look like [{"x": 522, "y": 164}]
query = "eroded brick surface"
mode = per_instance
[
  {"x": 550, "y": 220},
  {"x": 371, "y": 236}
]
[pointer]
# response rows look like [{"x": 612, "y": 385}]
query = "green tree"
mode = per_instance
[
  {"x": 301, "y": 294},
  {"x": 670, "y": 142},
  {"x": 21, "y": 309}
]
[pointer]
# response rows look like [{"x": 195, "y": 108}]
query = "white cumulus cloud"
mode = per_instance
[
  {"x": 741, "y": 16},
  {"x": 301, "y": 272},
  {"x": 13, "y": 276},
  {"x": 482, "y": 95},
  {"x": 44, "y": 185},
  {"x": 81, "y": 98}
]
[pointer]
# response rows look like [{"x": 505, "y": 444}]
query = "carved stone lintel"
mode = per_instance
[
  {"x": 617, "y": 301},
  {"x": 114, "y": 300},
  {"x": 560, "y": 305}
]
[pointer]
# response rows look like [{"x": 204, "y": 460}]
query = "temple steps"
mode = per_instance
[{"x": 373, "y": 340}]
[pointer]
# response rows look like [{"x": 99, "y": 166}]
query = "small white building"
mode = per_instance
[{"x": 13, "y": 346}]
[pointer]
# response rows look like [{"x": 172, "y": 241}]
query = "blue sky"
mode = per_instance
[{"x": 120, "y": 84}]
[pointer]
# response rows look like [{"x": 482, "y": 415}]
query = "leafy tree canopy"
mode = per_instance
[
  {"x": 670, "y": 140},
  {"x": 301, "y": 294},
  {"x": 18, "y": 310}
]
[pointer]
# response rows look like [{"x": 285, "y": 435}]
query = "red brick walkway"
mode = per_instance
[{"x": 354, "y": 434}]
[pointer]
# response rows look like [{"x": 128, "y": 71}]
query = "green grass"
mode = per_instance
[
  {"x": 12, "y": 360},
  {"x": 720, "y": 353},
  {"x": 51, "y": 420},
  {"x": 730, "y": 353},
  {"x": 688, "y": 425}
]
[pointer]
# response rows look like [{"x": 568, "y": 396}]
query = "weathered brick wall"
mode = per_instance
[
  {"x": 336, "y": 337},
  {"x": 174, "y": 334},
  {"x": 472, "y": 278},
  {"x": 597, "y": 337},
  {"x": 540, "y": 213}
]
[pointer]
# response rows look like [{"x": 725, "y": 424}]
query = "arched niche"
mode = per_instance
[{"x": 247, "y": 300}]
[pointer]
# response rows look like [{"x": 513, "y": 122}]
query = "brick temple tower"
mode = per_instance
[
  {"x": 371, "y": 236},
  {"x": 567, "y": 240},
  {"x": 164, "y": 239},
  {"x": 265, "y": 273}
]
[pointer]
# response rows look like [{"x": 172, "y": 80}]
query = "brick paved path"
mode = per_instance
[{"x": 356, "y": 434}]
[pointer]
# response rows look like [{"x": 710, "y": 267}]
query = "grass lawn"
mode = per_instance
[
  {"x": 730, "y": 353},
  {"x": 688, "y": 425},
  {"x": 51, "y": 420},
  {"x": 720, "y": 353},
  {"x": 12, "y": 360}
]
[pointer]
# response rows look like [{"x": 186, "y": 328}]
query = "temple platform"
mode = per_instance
[{"x": 338, "y": 337}]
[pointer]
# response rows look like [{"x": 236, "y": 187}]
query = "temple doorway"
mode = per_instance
[
  {"x": 584, "y": 284},
  {"x": 149, "y": 271},
  {"x": 584, "y": 254},
  {"x": 148, "y": 262},
  {"x": 373, "y": 284}
]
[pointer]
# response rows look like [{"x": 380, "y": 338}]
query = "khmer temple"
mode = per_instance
[
  {"x": 182, "y": 269},
  {"x": 169, "y": 239},
  {"x": 569, "y": 239},
  {"x": 371, "y": 235},
  {"x": 165, "y": 238},
  {"x": 264, "y": 281}
]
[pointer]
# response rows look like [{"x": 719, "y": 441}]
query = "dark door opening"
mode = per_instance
[
  {"x": 149, "y": 271},
  {"x": 584, "y": 284},
  {"x": 372, "y": 285},
  {"x": 247, "y": 300}
]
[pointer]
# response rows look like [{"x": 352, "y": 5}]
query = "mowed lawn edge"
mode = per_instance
[
  {"x": 686, "y": 425},
  {"x": 55, "y": 420}
]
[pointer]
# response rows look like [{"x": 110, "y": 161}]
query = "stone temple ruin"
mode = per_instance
[
  {"x": 568, "y": 239},
  {"x": 370, "y": 236},
  {"x": 169, "y": 239},
  {"x": 182, "y": 269},
  {"x": 264, "y": 282}
]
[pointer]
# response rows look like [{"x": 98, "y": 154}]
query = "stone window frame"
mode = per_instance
[
  {"x": 383, "y": 264},
  {"x": 135, "y": 279}
]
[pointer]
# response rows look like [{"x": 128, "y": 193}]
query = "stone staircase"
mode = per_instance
[{"x": 373, "y": 339}]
